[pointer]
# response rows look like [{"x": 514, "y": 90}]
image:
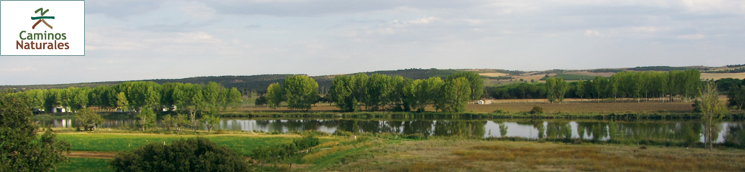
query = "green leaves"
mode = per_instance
[
  {"x": 20, "y": 147},
  {"x": 42, "y": 11},
  {"x": 194, "y": 154}
]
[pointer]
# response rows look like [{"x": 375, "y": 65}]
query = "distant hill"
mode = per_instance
[
  {"x": 491, "y": 77},
  {"x": 248, "y": 83}
]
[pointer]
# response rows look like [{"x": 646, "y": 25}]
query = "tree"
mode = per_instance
[
  {"x": 561, "y": 89},
  {"x": 550, "y": 90},
  {"x": 169, "y": 122},
  {"x": 212, "y": 97},
  {"x": 88, "y": 119},
  {"x": 121, "y": 101},
  {"x": 712, "y": 110},
  {"x": 580, "y": 90},
  {"x": 736, "y": 96},
  {"x": 211, "y": 121},
  {"x": 300, "y": 92},
  {"x": 474, "y": 80},
  {"x": 427, "y": 91},
  {"x": 21, "y": 149},
  {"x": 193, "y": 154},
  {"x": 181, "y": 121},
  {"x": 190, "y": 98},
  {"x": 341, "y": 91},
  {"x": 146, "y": 118},
  {"x": 454, "y": 95},
  {"x": 274, "y": 95},
  {"x": 359, "y": 93},
  {"x": 597, "y": 84},
  {"x": 152, "y": 97},
  {"x": 232, "y": 99},
  {"x": 261, "y": 101},
  {"x": 378, "y": 89}
]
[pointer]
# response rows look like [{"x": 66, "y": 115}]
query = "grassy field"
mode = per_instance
[
  {"x": 85, "y": 164},
  {"x": 112, "y": 142},
  {"x": 474, "y": 155}
]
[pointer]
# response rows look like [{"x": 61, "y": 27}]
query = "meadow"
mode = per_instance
[
  {"x": 85, "y": 164},
  {"x": 115, "y": 142},
  {"x": 475, "y": 155}
]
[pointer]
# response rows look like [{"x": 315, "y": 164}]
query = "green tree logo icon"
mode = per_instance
[{"x": 41, "y": 18}]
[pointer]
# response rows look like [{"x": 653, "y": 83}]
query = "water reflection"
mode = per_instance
[{"x": 678, "y": 131}]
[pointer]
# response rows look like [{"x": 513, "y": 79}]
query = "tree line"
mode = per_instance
[
  {"x": 383, "y": 92},
  {"x": 638, "y": 85},
  {"x": 378, "y": 92},
  {"x": 144, "y": 98},
  {"x": 136, "y": 96}
]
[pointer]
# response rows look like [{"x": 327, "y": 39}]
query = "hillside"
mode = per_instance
[
  {"x": 491, "y": 76},
  {"x": 245, "y": 83}
]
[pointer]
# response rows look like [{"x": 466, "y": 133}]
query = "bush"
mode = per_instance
[
  {"x": 536, "y": 110},
  {"x": 282, "y": 151},
  {"x": 194, "y": 154},
  {"x": 21, "y": 148}
]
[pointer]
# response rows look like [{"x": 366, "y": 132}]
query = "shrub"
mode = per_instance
[
  {"x": 21, "y": 148},
  {"x": 194, "y": 154},
  {"x": 283, "y": 151},
  {"x": 536, "y": 110}
]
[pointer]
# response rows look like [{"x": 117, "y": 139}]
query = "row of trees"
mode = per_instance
[
  {"x": 145, "y": 98},
  {"x": 136, "y": 96},
  {"x": 638, "y": 85},
  {"x": 380, "y": 92}
]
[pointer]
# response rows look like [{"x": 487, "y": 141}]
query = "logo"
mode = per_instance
[
  {"x": 41, "y": 18},
  {"x": 57, "y": 27}
]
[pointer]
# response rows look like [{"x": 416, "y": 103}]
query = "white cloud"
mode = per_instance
[
  {"x": 692, "y": 36},
  {"x": 474, "y": 21},
  {"x": 424, "y": 20},
  {"x": 592, "y": 33},
  {"x": 647, "y": 29},
  {"x": 199, "y": 11}
]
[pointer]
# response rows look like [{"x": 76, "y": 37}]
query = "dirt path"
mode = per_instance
[{"x": 91, "y": 154}]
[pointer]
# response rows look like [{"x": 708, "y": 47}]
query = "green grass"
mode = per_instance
[
  {"x": 119, "y": 142},
  {"x": 85, "y": 164}
]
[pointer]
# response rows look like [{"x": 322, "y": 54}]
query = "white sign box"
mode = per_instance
[{"x": 42, "y": 28}]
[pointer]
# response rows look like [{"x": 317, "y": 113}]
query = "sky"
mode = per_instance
[{"x": 146, "y": 39}]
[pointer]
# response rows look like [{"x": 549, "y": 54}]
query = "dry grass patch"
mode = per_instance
[
  {"x": 493, "y": 74},
  {"x": 439, "y": 155},
  {"x": 717, "y": 76},
  {"x": 91, "y": 154}
]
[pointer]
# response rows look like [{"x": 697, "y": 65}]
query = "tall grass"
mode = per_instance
[
  {"x": 120, "y": 142},
  {"x": 85, "y": 164}
]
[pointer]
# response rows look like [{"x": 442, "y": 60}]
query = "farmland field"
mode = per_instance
[{"x": 717, "y": 76}]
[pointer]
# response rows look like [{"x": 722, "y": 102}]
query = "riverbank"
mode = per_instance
[{"x": 736, "y": 115}]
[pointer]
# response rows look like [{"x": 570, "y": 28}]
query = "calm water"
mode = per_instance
[{"x": 687, "y": 131}]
